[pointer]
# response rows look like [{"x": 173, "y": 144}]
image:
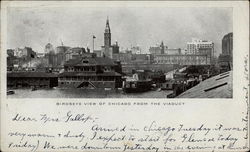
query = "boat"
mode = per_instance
[
  {"x": 10, "y": 92},
  {"x": 137, "y": 86},
  {"x": 139, "y": 82}
]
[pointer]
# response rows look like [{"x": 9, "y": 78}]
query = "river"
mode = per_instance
[{"x": 84, "y": 93}]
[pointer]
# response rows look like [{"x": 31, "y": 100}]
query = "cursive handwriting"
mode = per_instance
[{"x": 92, "y": 135}]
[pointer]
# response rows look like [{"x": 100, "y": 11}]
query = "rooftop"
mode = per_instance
[
  {"x": 90, "y": 61},
  {"x": 88, "y": 74},
  {"x": 31, "y": 74},
  {"x": 157, "y": 55},
  {"x": 219, "y": 86}
]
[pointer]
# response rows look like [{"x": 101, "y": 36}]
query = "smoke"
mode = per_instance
[{"x": 36, "y": 63}]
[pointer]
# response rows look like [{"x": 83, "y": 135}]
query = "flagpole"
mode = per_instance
[{"x": 93, "y": 42}]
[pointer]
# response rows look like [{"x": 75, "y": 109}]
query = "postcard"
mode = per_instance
[{"x": 124, "y": 76}]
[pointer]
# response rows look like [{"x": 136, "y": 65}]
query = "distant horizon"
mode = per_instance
[{"x": 144, "y": 27}]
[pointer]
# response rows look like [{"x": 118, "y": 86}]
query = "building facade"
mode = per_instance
[
  {"x": 136, "y": 50},
  {"x": 227, "y": 44},
  {"x": 74, "y": 53},
  {"x": 98, "y": 53},
  {"x": 49, "y": 48},
  {"x": 130, "y": 58},
  {"x": 226, "y": 57},
  {"x": 142, "y": 58},
  {"x": 115, "y": 48},
  {"x": 158, "y": 49},
  {"x": 130, "y": 67},
  {"x": 91, "y": 72},
  {"x": 174, "y": 51},
  {"x": 181, "y": 59},
  {"x": 26, "y": 53},
  {"x": 31, "y": 79},
  {"x": 124, "y": 58},
  {"x": 62, "y": 49},
  {"x": 196, "y": 44}
]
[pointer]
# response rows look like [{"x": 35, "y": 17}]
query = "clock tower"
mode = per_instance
[{"x": 107, "y": 35}]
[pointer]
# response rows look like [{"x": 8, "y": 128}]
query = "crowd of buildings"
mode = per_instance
[
  {"x": 80, "y": 67},
  {"x": 159, "y": 58}
]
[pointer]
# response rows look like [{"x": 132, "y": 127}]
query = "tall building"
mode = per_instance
[
  {"x": 107, "y": 35},
  {"x": 226, "y": 57},
  {"x": 108, "y": 50},
  {"x": 115, "y": 48},
  {"x": 25, "y": 53},
  {"x": 61, "y": 49},
  {"x": 49, "y": 49},
  {"x": 227, "y": 44},
  {"x": 162, "y": 47},
  {"x": 196, "y": 45}
]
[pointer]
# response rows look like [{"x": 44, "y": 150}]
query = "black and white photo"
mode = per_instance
[{"x": 124, "y": 52}]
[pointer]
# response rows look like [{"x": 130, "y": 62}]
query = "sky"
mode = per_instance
[{"x": 144, "y": 27}]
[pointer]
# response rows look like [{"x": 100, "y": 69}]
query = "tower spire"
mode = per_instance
[
  {"x": 162, "y": 47},
  {"x": 107, "y": 29},
  {"x": 107, "y": 40},
  {"x": 107, "y": 21}
]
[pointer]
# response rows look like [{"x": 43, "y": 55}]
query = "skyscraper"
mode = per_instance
[
  {"x": 226, "y": 57},
  {"x": 227, "y": 44}
]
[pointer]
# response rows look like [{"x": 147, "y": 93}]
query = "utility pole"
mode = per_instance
[{"x": 93, "y": 43}]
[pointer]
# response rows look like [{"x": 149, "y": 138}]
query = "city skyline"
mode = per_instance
[{"x": 129, "y": 26}]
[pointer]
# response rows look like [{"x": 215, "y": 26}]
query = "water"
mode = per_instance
[{"x": 83, "y": 93}]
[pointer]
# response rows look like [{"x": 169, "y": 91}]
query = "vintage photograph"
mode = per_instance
[{"x": 119, "y": 52}]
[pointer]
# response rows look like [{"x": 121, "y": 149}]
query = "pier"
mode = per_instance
[{"x": 31, "y": 79}]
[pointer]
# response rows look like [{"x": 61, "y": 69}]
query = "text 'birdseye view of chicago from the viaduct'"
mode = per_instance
[{"x": 113, "y": 71}]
